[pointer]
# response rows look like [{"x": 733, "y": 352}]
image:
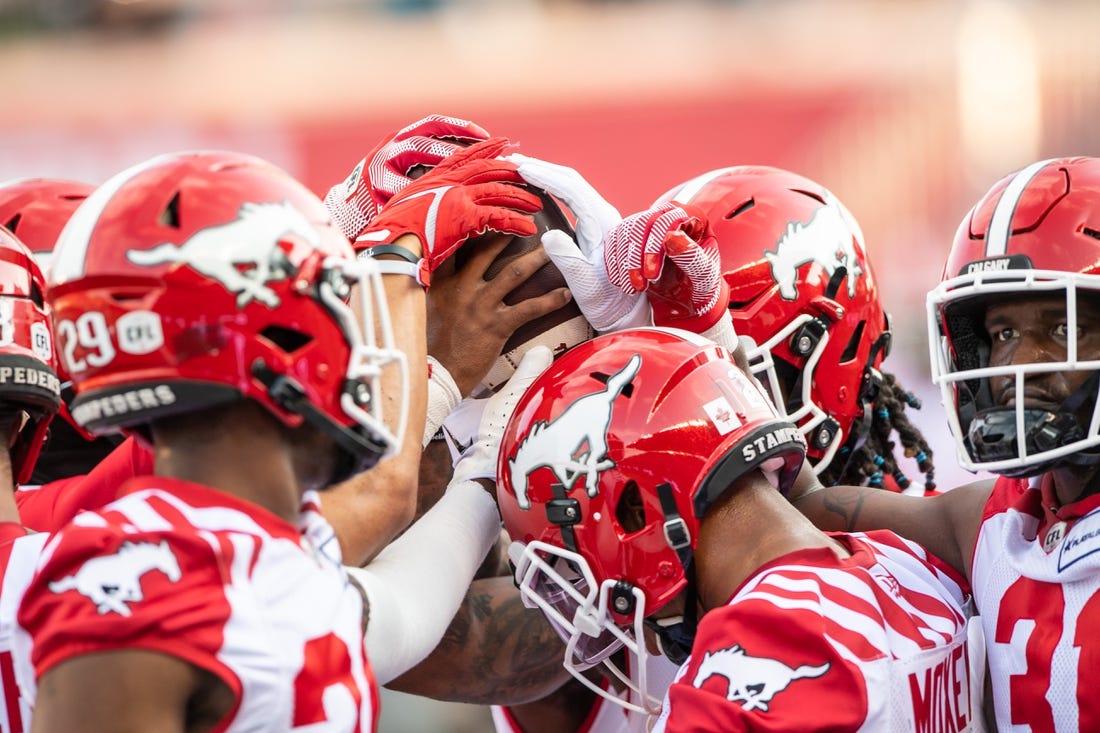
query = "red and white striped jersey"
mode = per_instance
[
  {"x": 19, "y": 554},
  {"x": 874, "y": 642},
  {"x": 206, "y": 577},
  {"x": 1036, "y": 577}
]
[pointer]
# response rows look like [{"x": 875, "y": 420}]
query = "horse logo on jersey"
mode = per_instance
[
  {"x": 753, "y": 681},
  {"x": 573, "y": 443},
  {"x": 249, "y": 241},
  {"x": 826, "y": 231},
  {"x": 113, "y": 581}
]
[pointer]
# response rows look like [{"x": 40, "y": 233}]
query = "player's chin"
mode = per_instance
[{"x": 315, "y": 457}]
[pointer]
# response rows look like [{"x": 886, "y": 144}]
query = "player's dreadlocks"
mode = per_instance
[{"x": 874, "y": 458}]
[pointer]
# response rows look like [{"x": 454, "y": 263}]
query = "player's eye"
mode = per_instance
[
  {"x": 1002, "y": 335},
  {"x": 1062, "y": 330}
]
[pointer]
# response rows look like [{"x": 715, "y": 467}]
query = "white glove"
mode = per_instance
[
  {"x": 461, "y": 425},
  {"x": 581, "y": 262},
  {"x": 480, "y": 459}
]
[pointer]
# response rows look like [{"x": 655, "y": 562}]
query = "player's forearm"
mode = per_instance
[
  {"x": 831, "y": 508},
  {"x": 932, "y": 522},
  {"x": 495, "y": 651},
  {"x": 414, "y": 587},
  {"x": 372, "y": 508}
]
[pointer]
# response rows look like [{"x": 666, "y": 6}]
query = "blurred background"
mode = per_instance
[{"x": 907, "y": 110}]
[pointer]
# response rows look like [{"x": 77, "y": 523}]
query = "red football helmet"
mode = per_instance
[
  {"x": 649, "y": 421},
  {"x": 802, "y": 288},
  {"x": 1035, "y": 232},
  {"x": 36, "y": 210},
  {"x": 28, "y": 381},
  {"x": 195, "y": 279}
]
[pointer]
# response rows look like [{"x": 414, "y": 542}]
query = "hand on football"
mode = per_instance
[
  {"x": 468, "y": 194},
  {"x": 393, "y": 164},
  {"x": 468, "y": 319},
  {"x": 580, "y": 260}
]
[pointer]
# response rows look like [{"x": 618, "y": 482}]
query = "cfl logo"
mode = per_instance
[{"x": 41, "y": 339}]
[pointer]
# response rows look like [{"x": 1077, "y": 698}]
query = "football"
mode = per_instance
[{"x": 559, "y": 330}]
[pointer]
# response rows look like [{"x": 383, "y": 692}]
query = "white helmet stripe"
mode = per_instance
[
  {"x": 690, "y": 190},
  {"x": 1000, "y": 224},
  {"x": 72, "y": 243}
]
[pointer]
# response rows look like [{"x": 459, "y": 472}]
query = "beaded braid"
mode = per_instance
[{"x": 875, "y": 458}]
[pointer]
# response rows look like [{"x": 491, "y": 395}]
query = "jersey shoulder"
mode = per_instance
[{"x": 138, "y": 573}]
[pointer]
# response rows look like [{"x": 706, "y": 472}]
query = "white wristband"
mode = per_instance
[
  {"x": 443, "y": 396},
  {"x": 722, "y": 333}
]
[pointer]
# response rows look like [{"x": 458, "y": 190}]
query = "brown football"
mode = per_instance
[{"x": 559, "y": 330}]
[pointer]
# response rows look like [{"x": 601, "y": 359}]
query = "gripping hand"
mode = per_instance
[
  {"x": 467, "y": 194},
  {"x": 387, "y": 169},
  {"x": 580, "y": 260},
  {"x": 669, "y": 253}
]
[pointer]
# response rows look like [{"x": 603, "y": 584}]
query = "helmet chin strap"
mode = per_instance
[
  {"x": 676, "y": 639},
  {"x": 356, "y": 452},
  {"x": 992, "y": 433}
]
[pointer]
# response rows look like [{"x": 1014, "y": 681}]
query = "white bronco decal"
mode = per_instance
[
  {"x": 251, "y": 240},
  {"x": 581, "y": 426},
  {"x": 827, "y": 238},
  {"x": 113, "y": 581},
  {"x": 753, "y": 681}
]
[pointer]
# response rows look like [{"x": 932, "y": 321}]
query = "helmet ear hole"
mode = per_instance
[
  {"x": 286, "y": 339},
  {"x": 852, "y": 348},
  {"x": 630, "y": 511},
  {"x": 170, "y": 217},
  {"x": 37, "y": 297}
]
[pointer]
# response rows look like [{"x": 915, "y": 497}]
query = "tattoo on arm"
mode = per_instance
[
  {"x": 847, "y": 505},
  {"x": 505, "y": 651}
]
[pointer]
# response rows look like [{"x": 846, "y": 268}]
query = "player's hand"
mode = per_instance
[
  {"x": 469, "y": 321},
  {"x": 479, "y": 459},
  {"x": 387, "y": 168},
  {"x": 606, "y": 307},
  {"x": 468, "y": 194},
  {"x": 669, "y": 252}
]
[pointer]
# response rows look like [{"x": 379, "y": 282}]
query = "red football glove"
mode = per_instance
[
  {"x": 385, "y": 171},
  {"x": 466, "y": 195},
  {"x": 691, "y": 294}
]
